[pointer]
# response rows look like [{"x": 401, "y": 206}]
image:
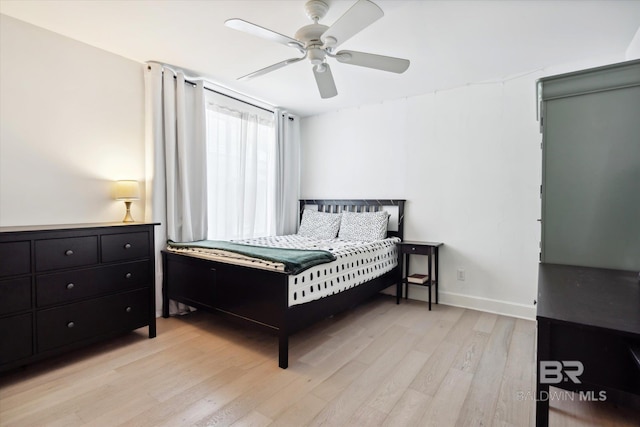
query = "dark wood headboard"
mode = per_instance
[{"x": 395, "y": 207}]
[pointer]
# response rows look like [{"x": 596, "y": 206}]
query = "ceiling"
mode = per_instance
[{"x": 449, "y": 43}]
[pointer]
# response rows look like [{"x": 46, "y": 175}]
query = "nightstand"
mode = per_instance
[{"x": 428, "y": 249}]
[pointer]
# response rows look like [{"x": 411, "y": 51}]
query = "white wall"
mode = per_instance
[
  {"x": 633, "y": 51},
  {"x": 468, "y": 161},
  {"x": 71, "y": 122}
]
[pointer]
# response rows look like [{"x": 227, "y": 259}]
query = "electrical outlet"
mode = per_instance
[{"x": 461, "y": 274}]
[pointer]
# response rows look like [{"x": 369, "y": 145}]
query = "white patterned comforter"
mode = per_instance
[{"x": 356, "y": 263}]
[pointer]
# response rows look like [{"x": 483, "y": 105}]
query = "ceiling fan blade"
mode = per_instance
[
  {"x": 324, "y": 79},
  {"x": 270, "y": 68},
  {"x": 369, "y": 60},
  {"x": 258, "y": 31},
  {"x": 360, "y": 16}
]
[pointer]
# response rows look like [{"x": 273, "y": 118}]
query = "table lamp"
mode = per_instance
[{"x": 127, "y": 191}]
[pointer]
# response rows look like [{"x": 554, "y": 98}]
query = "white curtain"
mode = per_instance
[
  {"x": 185, "y": 177},
  {"x": 175, "y": 160},
  {"x": 177, "y": 118},
  {"x": 241, "y": 171},
  {"x": 288, "y": 172}
]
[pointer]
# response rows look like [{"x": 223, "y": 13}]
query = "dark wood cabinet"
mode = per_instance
[
  {"x": 588, "y": 283},
  {"x": 62, "y": 287},
  {"x": 589, "y": 318}
]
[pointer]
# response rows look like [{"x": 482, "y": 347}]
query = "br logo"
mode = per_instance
[{"x": 555, "y": 372}]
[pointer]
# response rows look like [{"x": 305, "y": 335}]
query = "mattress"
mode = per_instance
[{"x": 356, "y": 263}]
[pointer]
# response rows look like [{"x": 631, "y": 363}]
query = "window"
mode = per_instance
[{"x": 241, "y": 169}]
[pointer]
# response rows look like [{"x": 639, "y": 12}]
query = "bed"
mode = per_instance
[{"x": 266, "y": 296}]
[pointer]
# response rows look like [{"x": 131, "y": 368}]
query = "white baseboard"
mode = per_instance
[
  {"x": 506, "y": 308},
  {"x": 465, "y": 301}
]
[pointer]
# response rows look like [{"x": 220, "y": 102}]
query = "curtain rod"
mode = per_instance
[
  {"x": 229, "y": 96},
  {"x": 190, "y": 80},
  {"x": 239, "y": 100}
]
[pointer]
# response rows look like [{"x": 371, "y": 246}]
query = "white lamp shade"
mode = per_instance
[{"x": 127, "y": 190}]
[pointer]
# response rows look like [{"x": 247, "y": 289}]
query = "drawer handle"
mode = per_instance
[
  {"x": 70, "y": 325},
  {"x": 128, "y": 276},
  {"x": 70, "y": 286},
  {"x": 127, "y": 246},
  {"x": 68, "y": 252},
  {"x": 128, "y": 309},
  {"x": 413, "y": 249}
]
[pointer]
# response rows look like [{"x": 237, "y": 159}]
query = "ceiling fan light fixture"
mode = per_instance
[
  {"x": 316, "y": 55},
  {"x": 317, "y": 41}
]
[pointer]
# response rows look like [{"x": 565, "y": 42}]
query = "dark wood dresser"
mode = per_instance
[
  {"x": 588, "y": 287},
  {"x": 66, "y": 286},
  {"x": 591, "y": 316}
]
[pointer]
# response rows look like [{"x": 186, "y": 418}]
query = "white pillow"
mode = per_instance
[
  {"x": 319, "y": 225},
  {"x": 364, "y": 226}
]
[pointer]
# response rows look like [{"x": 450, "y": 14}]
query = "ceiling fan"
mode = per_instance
[{"x": 317, "y": 42}]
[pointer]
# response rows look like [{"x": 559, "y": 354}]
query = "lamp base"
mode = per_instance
[{"x": 127, "y": 216}]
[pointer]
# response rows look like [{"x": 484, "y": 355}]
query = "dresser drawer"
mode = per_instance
[
  {"x": 72, "y": 323},
  {"x": 16, "y": 338},
  {"x": 414, "y": 249},
  {"x": 15, "y": 295},
  {"x": 15, "y": 258},
  {"x": 119, "y": 247},
  {"x": 63, "y": 253},
  {"x": 78, "y": 284}
]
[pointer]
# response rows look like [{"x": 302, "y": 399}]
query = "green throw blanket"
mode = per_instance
[{"x": 295, "y": 260}]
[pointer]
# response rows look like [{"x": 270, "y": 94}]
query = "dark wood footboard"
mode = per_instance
[
  {"x": 256, "y": 296},
  {"x": 261, "y": 296}
]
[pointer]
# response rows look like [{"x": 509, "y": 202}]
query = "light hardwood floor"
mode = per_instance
[{"x": 379, "y": 364}]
